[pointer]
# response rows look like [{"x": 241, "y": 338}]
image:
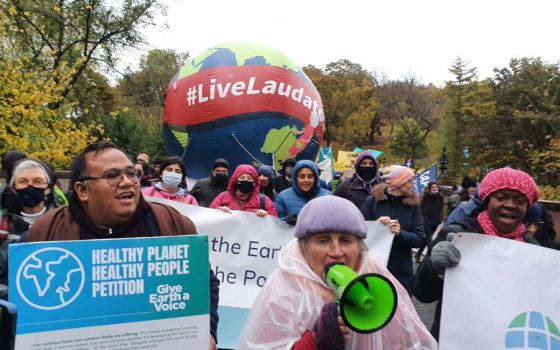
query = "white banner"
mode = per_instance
[
  {"x": 243, "y": 253},
  {"x": 503, "y": 294}
]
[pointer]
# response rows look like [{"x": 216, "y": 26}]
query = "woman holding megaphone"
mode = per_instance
[{"x": 329, "y": 294}]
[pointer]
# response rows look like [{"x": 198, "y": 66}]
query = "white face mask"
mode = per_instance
[
  {"x": 171, "y": 179},
  {"x": 434, "y": 190}
]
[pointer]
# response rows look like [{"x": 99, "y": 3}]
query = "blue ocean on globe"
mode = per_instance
[
  {"x": 532, "y": 330},
  {"x": 50, "y": 278},
  {"x": 248, "y": 128}
]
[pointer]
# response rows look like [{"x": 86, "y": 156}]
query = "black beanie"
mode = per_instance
[
  {"x": 220, "y": 162},
  {"x": 9, "y": 160}
]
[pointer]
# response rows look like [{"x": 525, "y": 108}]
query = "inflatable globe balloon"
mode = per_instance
[{"x": 249, "y": 104}]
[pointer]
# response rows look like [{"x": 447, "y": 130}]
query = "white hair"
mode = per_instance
[{"x": 28, "y": 164}]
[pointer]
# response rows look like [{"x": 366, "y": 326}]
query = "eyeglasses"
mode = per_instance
[
  {"x": 36, "y": 182},
  {"x": 114, "y": 176}
]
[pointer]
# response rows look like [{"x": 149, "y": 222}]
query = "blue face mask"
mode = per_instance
[{"x": 171, "y": 179}]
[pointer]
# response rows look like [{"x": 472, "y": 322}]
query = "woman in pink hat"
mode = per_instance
[
  {"x": 394, "y": 203},
  {"x": 506, "y": 196}
]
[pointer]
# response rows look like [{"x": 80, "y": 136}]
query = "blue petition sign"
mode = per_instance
[{"x": 68, "y": 285}]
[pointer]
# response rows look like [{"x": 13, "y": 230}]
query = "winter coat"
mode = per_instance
[
  {"x": 181, "y": 195},
  {"x": 463, "y": 210},
  {"x": 228, "y": 199},
  {"x": 406, "y": 210},
  {"x": 355, "y": 189},
  {"x": 290, "y": 303},
  {"x": 281, "y": 183},
  {"x": 205, "y": 191},
  {"x": 291, "y": 200},
  {"x": 428, "y": 285},
  {"x": 16, "y": 227},
  {"x": 432, "y": 208}
]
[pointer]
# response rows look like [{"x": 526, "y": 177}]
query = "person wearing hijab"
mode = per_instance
[
  {"x": 243, "y": 194},
  {"x": 297, "y": 310},
  {"x": 506, "y": 196}
]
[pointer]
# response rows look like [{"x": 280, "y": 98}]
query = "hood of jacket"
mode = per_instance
[
  {"x": 359, "y": 159},
  {"x": 244, "y": 169},
  {"x": 267, "y": 171},
  {"x": 380, "y": 193},
  {"x": 305, "y": 164}
]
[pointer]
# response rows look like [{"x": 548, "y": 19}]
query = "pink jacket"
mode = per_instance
[
  {"x": 179, "y": 196},
  {"x": 227, "y": 198}
]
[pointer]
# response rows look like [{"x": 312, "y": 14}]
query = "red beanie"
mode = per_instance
[{"x": 509, "y": 179}]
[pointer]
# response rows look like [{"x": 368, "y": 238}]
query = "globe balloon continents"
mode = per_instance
[{"x": 243, "y": 102}]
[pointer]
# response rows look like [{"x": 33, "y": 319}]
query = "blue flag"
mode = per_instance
[{"x": 421, "y": 180}]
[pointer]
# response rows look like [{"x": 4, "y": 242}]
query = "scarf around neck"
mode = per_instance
[
  {"x": 368, "y": 184},
  {"x": 134, "y": 227},
  {"x": 491, "y": 230}
]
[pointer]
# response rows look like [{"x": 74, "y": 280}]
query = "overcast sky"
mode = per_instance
[{"x": 393, "y": 36}]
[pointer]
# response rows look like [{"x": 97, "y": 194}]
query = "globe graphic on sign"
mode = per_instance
[
  {"x": 244, "y": 102},
  {"x": 532, "y": 330},
  {"x": 50, "y": 278}
]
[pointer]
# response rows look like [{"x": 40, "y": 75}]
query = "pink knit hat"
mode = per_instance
[
  {"x": 396, "y": 175},
  {"x": 509, "y": 179}
]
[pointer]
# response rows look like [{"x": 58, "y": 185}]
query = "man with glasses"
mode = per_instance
[{"x": 107, "y": 203}]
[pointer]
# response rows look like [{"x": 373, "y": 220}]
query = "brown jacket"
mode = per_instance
[{"x": 57, "y": 225}]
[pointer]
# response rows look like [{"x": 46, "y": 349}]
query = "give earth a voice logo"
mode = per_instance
[
  {"x": 532, "y": 330},
  {"x": 50, "y": 278}
]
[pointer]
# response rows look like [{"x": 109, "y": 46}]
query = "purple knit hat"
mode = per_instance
[
  {"x": 330, "y": 214},
  {"x": 508, "y": 179}
]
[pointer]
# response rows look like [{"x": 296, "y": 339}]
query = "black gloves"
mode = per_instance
[{"x": 291, "y": 219}]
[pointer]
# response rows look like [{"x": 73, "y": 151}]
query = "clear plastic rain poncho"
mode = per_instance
[{"x": 291, "y": 301}]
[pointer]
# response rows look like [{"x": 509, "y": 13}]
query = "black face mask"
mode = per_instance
[
  {"x": 245, "y": 186},
  {"x": 366, "y": 172},
  {"x": 30, "y": 196},
  {"x": 221, "y": 178}
]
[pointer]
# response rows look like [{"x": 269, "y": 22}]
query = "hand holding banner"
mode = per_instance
[{"x": 503, "y": 294}]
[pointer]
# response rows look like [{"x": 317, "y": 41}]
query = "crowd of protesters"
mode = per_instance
[{"x": 105, "y": 199}]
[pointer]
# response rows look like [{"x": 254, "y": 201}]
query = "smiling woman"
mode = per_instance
[
  {"x": 506, "y": 196},
  {"x": 304, "y": 188}
]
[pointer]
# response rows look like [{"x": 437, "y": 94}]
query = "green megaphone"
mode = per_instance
[{"x": 367, "y": 302}]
